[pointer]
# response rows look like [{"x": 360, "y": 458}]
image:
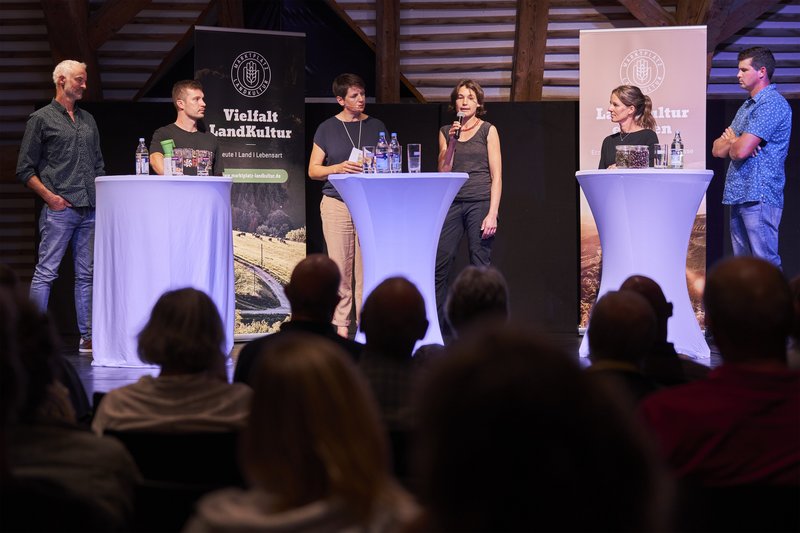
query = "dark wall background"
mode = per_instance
[
  {"x": 537, "y": 246},
  {"x": 719, "y": 115}
]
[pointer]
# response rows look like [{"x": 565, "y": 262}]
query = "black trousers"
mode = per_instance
[{"x": 462, "y": 217}]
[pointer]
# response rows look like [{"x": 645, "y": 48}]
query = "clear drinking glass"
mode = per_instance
[
  {"x": 368, "y": 159},
  {"x": 661, "y": 155},
  {"x": 186, "y": 159},
  {"x": 177, "y": 165},
  {"x": 414, "y": 157},
  {"x": 204, "y": 162}
]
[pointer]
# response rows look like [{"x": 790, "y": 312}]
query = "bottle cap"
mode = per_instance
[
  {"x": 141, "y": 139},
  {"x": 168, "y": 145}
]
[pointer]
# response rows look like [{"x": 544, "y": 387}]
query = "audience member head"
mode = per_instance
[
  {"x": 478, "y": 296},
  {"x": 314, "y": 430},
  {"x": 313, "y": 290},
  {"x": 39, "y": 351},
  {"x": 759, "y": 57},
  {"x": 514, "y": 437},
  {"x": 622, "y": 327},
  {"x": 749, "y": 310},
  {"x": 651, "y": 292},
  {"x": 184, "y": 334},
  {"x": 393, "y": 317},
  {"x": 343, "y": 82},
  {"x": 631, "y": 95},
  {"x": 12, "y": 378}
]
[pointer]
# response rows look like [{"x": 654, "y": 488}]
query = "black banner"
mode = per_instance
[{"x": 254, "y": 91}]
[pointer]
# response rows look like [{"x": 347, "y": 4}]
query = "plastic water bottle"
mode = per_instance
[
  {"x": 142, "y": 159},
  {"x": 382, "y": 154},
  {"x": 395, "y": 157},
  {"x": 676, "y": 152}
]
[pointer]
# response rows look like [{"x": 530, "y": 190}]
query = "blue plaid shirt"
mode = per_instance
[{"x": 768, "y": 116}]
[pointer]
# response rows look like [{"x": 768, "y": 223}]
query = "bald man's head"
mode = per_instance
[
  {"x": 651, "y": 291},
  {"x": 622, "y": 327},
  {"x": 748, "y": 309},
  {"x": 393, "y": 318},
  {"x": 313, "y": 290}
]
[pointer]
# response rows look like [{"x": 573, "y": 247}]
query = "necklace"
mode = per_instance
[
  {"x": 623, "y": 135},
  {"x": 360, "y": 122},
  {"x": 467, "y": 128}
]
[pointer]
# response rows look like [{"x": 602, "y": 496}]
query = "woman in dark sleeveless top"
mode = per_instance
[{"x": 475, "y": 208}]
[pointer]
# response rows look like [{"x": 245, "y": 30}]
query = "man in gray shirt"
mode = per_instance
[{"x": 59, "y": 159}]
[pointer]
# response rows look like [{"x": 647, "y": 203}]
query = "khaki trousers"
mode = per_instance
[{"x": 344, "y": 249}]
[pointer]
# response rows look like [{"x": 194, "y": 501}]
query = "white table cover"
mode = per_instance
[
  {"x": 154, "y": 234},
  {"x": 399, "y": 218},
  {"x": 644, "y": 219}
]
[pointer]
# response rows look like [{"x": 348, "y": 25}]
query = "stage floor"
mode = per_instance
[{"x": 104, "y": 379}]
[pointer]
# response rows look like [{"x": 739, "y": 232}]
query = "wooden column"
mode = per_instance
[
  {"x": 387, "y": 51},
  {"x": 231, "y": 13},
  {"x": 527, "y": 71},
  {"x": 67, "y": 23}
]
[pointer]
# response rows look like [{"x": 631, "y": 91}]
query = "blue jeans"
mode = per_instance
[
  {"x": 754, "y": 230},
  {"x": 59, "y": 229}
]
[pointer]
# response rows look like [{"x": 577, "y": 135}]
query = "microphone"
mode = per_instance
[{"x": 460, "y": 116}]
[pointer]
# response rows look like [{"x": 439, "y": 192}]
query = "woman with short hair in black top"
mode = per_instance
[
  {"x": 334, "y": 143},
  {"x": 632, "y": 111},
  {"x": 475, "y": 209}
]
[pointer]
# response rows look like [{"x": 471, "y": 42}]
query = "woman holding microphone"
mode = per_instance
[{"x": 469, "y": 145}]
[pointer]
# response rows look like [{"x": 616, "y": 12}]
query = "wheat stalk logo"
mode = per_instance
[
  {"x": 250, "y": 74},
  {"x": 643, "y": 68},
  {"x": 641, "y": 72}
]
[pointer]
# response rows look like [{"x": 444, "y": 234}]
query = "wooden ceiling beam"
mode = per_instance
[
  {"x": 742, "y": 13},
  {"x": 723, "y": 19},
  {"x": 530, "y": 44},
  {"x": 231, "y": 13},
  {"x": 68, "y": 32},
  {"x": 649, "y": 12},
  {"x": 387, "y": 52},
  {"x": 696, "y": 12},
  {"x": 178, "y": 51},
  {"x": 112, "y": 16}
]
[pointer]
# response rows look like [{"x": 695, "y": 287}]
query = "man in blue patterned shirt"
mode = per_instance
[
  {"x": 59, "y": 159},
  {"x": 757, "y": 142}
]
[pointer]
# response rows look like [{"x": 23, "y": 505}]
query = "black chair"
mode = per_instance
[
  {"x": 165, "y": 506},
  {"x": 743, "y": 508},
  {"x": 208, "y": 458},
  {"x": 178, "y": 469}
]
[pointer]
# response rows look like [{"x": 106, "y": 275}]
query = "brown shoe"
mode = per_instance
[{"x": 85, "y": 346}]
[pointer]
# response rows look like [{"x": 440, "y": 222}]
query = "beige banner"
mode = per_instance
[{"x": 668, "y": 65}]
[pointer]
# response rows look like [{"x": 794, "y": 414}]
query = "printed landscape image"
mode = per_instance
[
  {"x": 269, "y": 239},
  {"x": 262, "y": 266},
  {"x": 591, "y": 267}
]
